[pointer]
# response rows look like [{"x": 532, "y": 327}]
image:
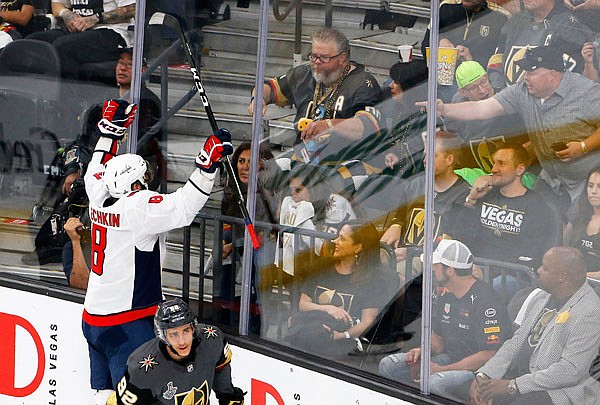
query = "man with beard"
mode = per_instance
[
  {"x": 504, "y": 220},
  {"x": 333, "y": 96},
  {"x": 548, "y": 359},
  {"x": 468, "y": 325}
]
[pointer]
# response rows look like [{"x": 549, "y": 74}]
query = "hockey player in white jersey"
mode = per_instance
[{"x": 129, "y": 226}]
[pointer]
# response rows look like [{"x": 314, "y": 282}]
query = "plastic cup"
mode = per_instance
[
  {"x": 446, "y": 65},
  {"x": 405, "y": 53}
]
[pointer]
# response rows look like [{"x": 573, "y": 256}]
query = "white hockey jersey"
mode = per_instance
[
  {"x": 128, "y": 242},
  {"x": 300, "y": 215}
]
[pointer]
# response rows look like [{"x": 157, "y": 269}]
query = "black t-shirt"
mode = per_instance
[
  {"x": 359, "y": 91},
  {"x": 559, "y": 29},
  {"x": 329, "y": 287},
  {"x": 505, "y": 228},
  {"x": 477, "y": 31},
  {"x": 477, "y": 321},
  {"x": 411, "y": 215},
  {"x": 16, "y": 5},
  {"x": 589, "y": 246}
]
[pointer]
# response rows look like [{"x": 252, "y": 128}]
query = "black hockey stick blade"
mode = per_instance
[{"x": 168, "y": 20}]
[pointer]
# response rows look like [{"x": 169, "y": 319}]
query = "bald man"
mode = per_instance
[{"x": 549, "y": 357}]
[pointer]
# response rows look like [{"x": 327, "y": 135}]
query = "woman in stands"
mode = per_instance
[
  {"x": 340, "y": 300},
  {"x": 267, "y": 201},
  {"x": 583, "y": 232}
]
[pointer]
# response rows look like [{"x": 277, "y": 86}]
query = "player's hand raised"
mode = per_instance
[
  {"x": 117, "y": 116},
  {"x": 215, "y": 148}
]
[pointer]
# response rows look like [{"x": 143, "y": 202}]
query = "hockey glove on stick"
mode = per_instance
[
  {"x": 117, "y": 116},
  {"x": 215, "y": 148}
]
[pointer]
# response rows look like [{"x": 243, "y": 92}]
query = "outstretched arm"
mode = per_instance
[{"x": 468, "y": 110}]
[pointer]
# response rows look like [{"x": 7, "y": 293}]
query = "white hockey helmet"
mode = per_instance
[{"x": 122, "y": 171}]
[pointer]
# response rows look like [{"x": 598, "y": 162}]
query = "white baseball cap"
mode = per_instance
[{"x": 452, "y": 253}]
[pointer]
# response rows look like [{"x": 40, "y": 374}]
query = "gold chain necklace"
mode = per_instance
[{"x": 469, "y": 21}]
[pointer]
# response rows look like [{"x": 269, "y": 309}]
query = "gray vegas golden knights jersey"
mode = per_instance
[{"x": 152, "y": 377}]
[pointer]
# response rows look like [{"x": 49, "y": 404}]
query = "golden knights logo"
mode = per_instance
[
  {"x": 513, "y": 72},
  {"x": 326, "y": 296},
  {"x": 483, "y": 149},
  {"x": 484, "y": 30},
  {"x": 195, "y": 396},
  {"x": 415, "y": 234}
]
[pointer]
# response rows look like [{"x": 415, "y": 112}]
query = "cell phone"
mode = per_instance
[{"x": 558, "y": 146}]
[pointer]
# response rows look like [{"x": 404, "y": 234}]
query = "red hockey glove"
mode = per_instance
[
  {"x": 215, "y": 148},
  {"x": 117, "y": 116}
]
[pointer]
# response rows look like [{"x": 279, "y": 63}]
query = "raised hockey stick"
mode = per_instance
[{"x": 168, "y": 20}]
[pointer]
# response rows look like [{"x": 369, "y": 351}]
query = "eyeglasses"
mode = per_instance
[
  {"x": 124, "y": 64},
  {"x": 481, "y": 82},
  {"x": 296, "y": 189},
  {"x": 321, "y": 58}
]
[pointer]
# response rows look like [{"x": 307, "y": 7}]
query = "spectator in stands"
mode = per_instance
[
  {"x": 16, "y": 17},
  {"x": 149, "y": 113},
  {"x": 469, "y": 324},
  {"x": 583, "y": 232},
  {"x": 334, "y": 93},
  {"x": 471, "y": 26},
  {"x": 407, "y": 227},
  {"x": 402, "y": 124},
  {"x": 480, "y": 136},
  {"x": 560, "y": 111},
  {"x": 76, "y": 266},
  {"x": 541, "y": 23},
  {"x": 303, "y": 208},
  {"x": 548, "y": 359},
  {"x": 92, "y": 32},
  {"x": 50, "y": 242},
  {"x": 587, "y": 11},
  {"x": 311, "y": 205},
  {"x": 341, "y": 296},
  {"x": 501, "y": 218},
  {"x": 267, "y": 202},
  {"x": 587, "y": 52}
]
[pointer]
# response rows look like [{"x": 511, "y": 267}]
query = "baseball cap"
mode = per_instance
[
  {"x": 542, "y": 56},
  {"x": 452, "y": 253},
  {"x": 468, "y": 72},
  {"x": 129, "y": 50},
  {"x": 410, "y": 74}
]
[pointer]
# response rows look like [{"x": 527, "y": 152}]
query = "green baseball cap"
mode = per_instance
[{"x": 467, "y": 72}]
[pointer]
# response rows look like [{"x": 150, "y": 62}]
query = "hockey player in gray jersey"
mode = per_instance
[{"x": 181, "y": 365}]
